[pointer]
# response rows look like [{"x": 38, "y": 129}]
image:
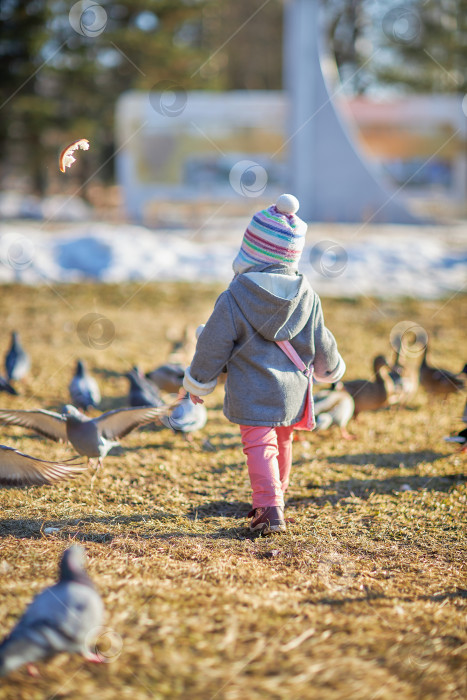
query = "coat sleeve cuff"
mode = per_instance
[
  {"x": 334, "y": 375},
  {"x": 197, "y": 388}
]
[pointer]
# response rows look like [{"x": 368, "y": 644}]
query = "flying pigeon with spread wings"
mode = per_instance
[{"x": 91, "y": 437}]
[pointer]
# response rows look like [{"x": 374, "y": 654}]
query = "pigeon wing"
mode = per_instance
[
  {"x": 19, "y": 469},
  {"x": 167, "y": 377},
  {"x": 115, "y": 424},
  {"x": 51, "y": 425},
  {"x": 71, "y": 609},
  {"x": 142, "y": 391},
  {"x": 94, "y": 391}
]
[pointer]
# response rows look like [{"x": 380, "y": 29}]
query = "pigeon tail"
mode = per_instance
[{"x": 5, "y": 386}]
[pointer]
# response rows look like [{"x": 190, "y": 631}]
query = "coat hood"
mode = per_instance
[{"x": 276, "y": 302}]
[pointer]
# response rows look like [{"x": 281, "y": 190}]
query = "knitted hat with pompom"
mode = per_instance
[{"x": 274, "y": 235}]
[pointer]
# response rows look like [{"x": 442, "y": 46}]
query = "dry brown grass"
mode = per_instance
[{"x": 363, "y": 598}]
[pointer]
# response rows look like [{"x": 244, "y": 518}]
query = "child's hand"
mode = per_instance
[{"x": 196, "y": 399}]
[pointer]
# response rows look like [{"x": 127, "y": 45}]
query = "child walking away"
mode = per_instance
[{"x": 268, "y": 330}]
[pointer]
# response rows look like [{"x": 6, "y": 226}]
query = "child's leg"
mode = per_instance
[
  {"x": 261, "y": 450},
  {"x": 284, "y": 444}
]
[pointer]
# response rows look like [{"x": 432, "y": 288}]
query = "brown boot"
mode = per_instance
[{"x": 267, "y": 520}]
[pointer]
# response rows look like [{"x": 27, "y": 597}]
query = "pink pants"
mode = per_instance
[{"x": 269, "y": 458}]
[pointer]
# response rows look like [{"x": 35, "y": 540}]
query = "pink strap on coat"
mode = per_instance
[
  {"x": 293, "y": 355},
  {"x": 307, "y": 421}
]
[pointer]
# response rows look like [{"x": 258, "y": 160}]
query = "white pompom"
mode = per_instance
[{"x": 287, "y": 204}]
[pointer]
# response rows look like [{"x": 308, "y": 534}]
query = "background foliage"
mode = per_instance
[{"x": 58, "y": 84}]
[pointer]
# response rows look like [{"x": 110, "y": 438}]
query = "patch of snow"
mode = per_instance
[
  {"x": 385, "y": 261},
  {"x": 15, "y": 205}
]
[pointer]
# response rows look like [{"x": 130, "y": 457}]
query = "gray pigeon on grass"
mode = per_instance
[
  {"x": 91, "y": 437},
  {"x": 83, "y": 388},
  {"x": 20, "y": 469},
  {"x": 60, "y": 619},
  {"x": 186, "y": 416},
  {"x": 17, "y": 362},
  {"x": 142, "y": 391}
]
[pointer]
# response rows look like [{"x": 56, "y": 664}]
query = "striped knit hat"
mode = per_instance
[{"x": 274, "y": 235}]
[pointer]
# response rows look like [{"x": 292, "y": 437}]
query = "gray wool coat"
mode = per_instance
[{"x": 263, "y": 386}]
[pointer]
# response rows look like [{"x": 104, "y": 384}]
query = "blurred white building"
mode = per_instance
[{"x": 207, "y": 146}]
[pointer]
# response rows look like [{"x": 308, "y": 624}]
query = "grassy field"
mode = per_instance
[{"x": 365, "y": 595}]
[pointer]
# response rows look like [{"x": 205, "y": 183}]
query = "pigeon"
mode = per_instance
[
  {"x": 334, "y": 407},
  {"x": 83, "y": 388},
  {"x": 405, "y": 379},
  {"x": 5, "y": 386},
  {"x": 460, "y": 438},
  {"x": 368, "y": 395},
  {"x": 142, "y": 391},
  {"x": 440, "y": 382},
  {"x": 186, "y": 416},
  {"x": 168, "y": 377},
  {"x": 61, "y": 618},
  {"x": 91, "y": 437},
  {"x": 17, "y": 362},
  {"x": 20, "y": 469}
]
